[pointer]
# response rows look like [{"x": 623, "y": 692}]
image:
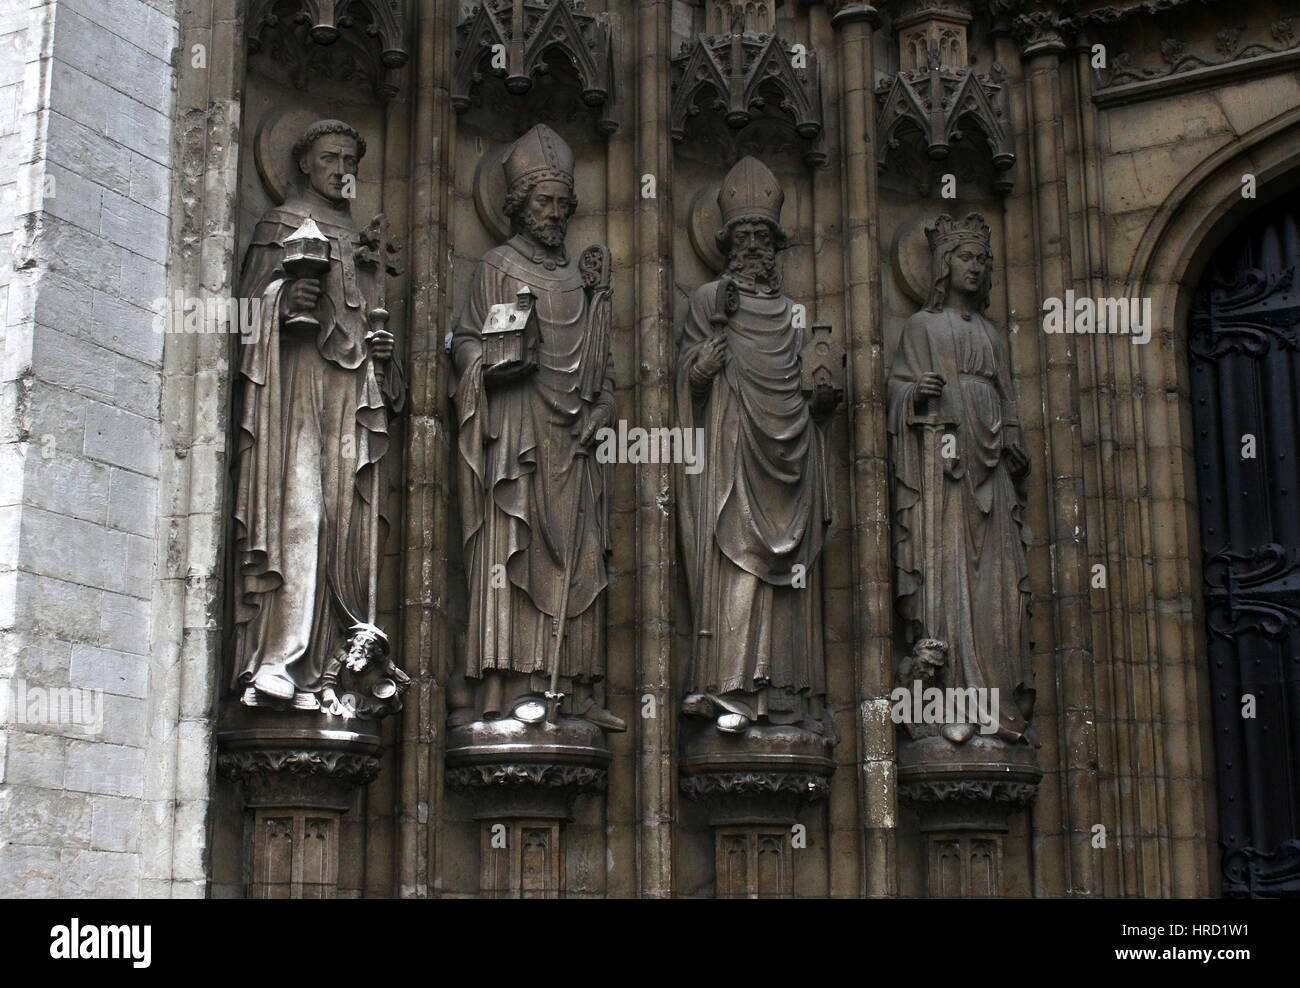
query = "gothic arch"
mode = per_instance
[
  {"x": 1203, "y": 208},
  {"x": 1198, "y": 215}
]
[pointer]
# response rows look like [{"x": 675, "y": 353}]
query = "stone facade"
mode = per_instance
[{"x": 144, "y": 136}]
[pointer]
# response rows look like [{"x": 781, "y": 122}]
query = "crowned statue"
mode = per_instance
[
  {"x": 754, "y": 519},
  {"x": 532, "y": 388},
  {"x": 959, "y": 466}
]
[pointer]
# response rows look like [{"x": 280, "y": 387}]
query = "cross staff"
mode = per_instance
[{"x": 384, "y": 254}]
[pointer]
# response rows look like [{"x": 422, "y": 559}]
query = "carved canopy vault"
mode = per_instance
[
  {"x": 939, "y": 95},
  {"x": 515, "y": 39},
  {"x": 740, "y": 74},
  {"x": 369, "y": 33}
]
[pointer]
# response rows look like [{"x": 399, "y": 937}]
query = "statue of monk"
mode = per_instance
[
  {"x": 753, "y": 520},
  {"x": 532, "y": 496},
  {"x": 317, "y": 386},
  {"x": 961, "y": 580}
]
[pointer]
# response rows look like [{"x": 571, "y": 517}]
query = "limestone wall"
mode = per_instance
[{"x": 87, "y": 121}]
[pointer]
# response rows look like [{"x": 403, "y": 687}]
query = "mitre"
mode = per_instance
[
  {"x": 542, "y": 153},
  {"x": 750, "y": 190}
]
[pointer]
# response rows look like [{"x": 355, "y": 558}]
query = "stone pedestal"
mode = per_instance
[
  {"x": 965, "y": 794},
  {"x": 297, "y": 771},
  {"x": 522, "y": 779},
  {"x": 753, "y": 786}
]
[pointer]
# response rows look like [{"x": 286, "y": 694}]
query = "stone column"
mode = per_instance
[
  {"x": 1039, "y": 28},
  {"x": 430, "y": 460},
  {"x": 655, "y": 539},
  {"x": 853, "y": 23}
]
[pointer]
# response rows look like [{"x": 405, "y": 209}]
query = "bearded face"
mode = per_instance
[
  {"x": 753, "y": 252},
  {"x": 364, "y": 647},
  {"x": 545, "y": 215}
]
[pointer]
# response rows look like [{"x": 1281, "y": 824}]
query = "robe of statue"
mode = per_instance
[
  {"x": 312, "y": 425},
  {"x": 521, "y": 476},
  {"x": 983, "y": 580},
  {"x": 757, "y": 512}
]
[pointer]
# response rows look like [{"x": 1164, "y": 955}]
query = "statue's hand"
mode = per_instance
[
  {"x": 508, "y": 372},
  {"x": 823, "y": 401},
  {"x": 329, "y": 703},
  {"x": 1017, "y": 460},
  {"x": 928, "y": 385},
  {"x": 713, "y": 356},
  {"x": 597, "y": 418},
  {"x": 301, "y": 296},
  {"x": 381, "y": 345}
]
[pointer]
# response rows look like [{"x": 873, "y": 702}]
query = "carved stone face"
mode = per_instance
[
  {"x": 364, "y": 649},
  {"x": 966, "y": 266},
  {"x": 332, "y": 156},
  {"x": 753, "y": 251},
  {"x": 546, "y": 213}
]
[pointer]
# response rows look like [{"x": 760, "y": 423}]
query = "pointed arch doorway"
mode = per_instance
[{"x": 1244, "y": 357}]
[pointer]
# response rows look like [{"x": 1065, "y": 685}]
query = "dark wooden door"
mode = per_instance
[{"x": 1245, "y": 369}]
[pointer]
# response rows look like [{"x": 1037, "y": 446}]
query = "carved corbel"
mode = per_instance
[
  {"x": 1039, "y": 26},
  {"x": 297, "y": 781}
]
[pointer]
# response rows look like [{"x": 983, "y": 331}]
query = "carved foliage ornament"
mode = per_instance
[
  {"x": 312, "y": 777},
  {"x": 580, "y": 778},
  {"x": 356, "y": 768},
  {"x": 1229, "y": 46},
  {"x": 516, "y": 39},
  {"x": 1017, "y": 794},
  {"x": 372, "y": 31},
  {"x": 1112, "y": 15},
  {"x": 808, "y": 786},
  {"x": 1038, "y": 25}
]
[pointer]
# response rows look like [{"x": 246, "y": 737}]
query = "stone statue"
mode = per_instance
[
  {"x": 962, "y": 584},
  {"x": 532, "y": 389},
  {"x": 754, "y": 519},
  {"x": 318, "y": 386}
]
